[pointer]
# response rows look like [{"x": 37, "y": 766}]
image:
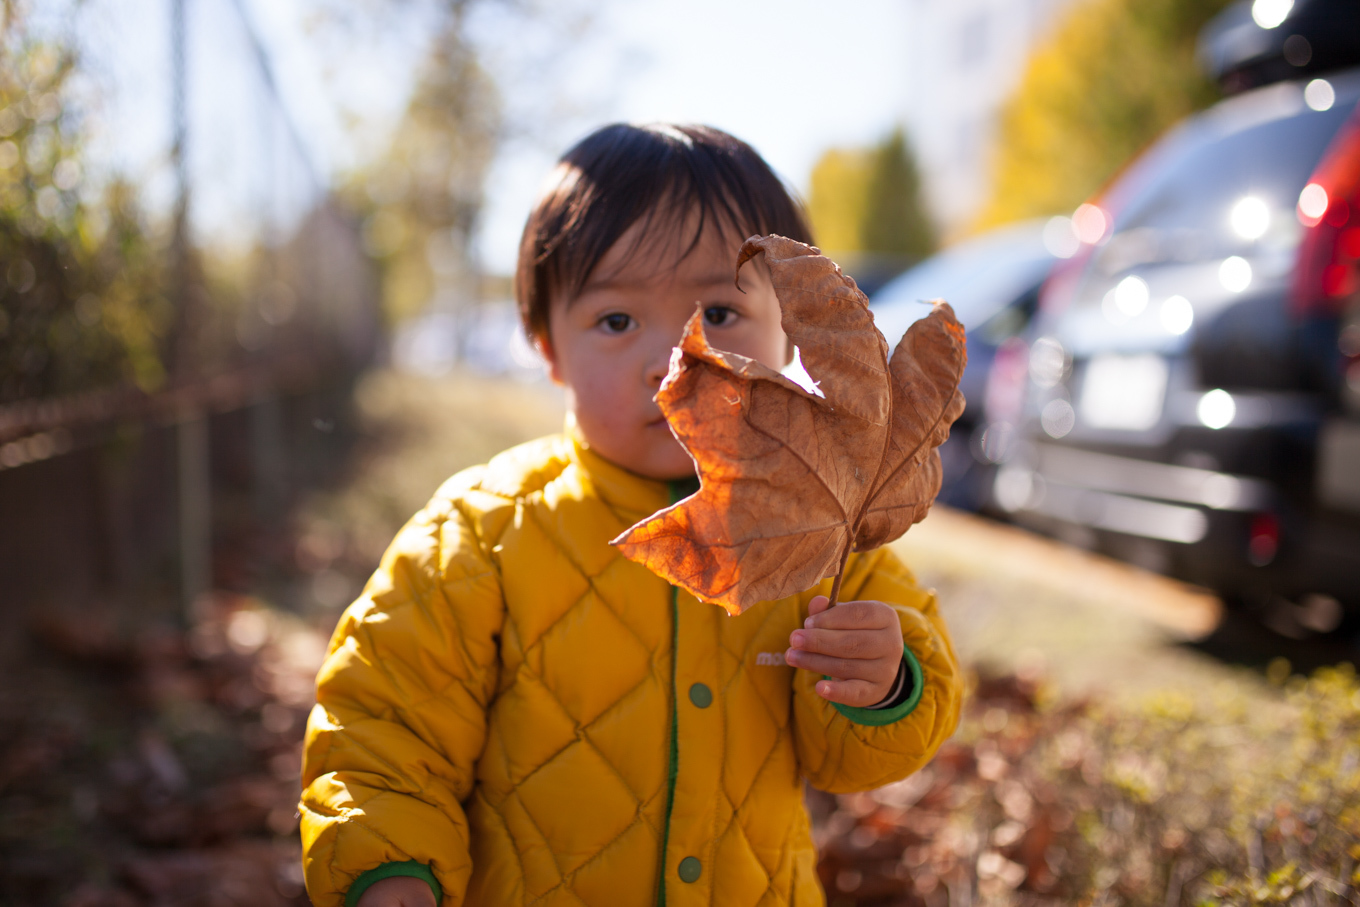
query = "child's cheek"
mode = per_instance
[{"x": 604, "y": 412}]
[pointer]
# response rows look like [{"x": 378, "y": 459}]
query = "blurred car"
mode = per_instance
[
  {"x": 992, "y": 281},
  {"x": 1257, "y": 42},
  {"x": 1192, "y": 398}
]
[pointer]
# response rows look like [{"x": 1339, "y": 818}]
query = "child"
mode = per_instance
[{"x": 514, "y": 713}]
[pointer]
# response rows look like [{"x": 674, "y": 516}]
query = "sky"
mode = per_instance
[{"x": 793, "y": 84}]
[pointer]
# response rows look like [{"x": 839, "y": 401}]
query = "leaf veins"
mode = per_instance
[{"x": 791, "y": 481}]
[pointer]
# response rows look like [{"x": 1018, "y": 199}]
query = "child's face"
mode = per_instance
[{"x": 610, "y": 346}]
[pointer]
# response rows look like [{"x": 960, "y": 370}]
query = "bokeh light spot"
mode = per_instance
[
  {"x": 1312, "y": 204},
  {"x": 1090, "y": 224},
  {"x": 1177, "y": 315},
  {"x": 1319, "y": 94},
  {"x": 1235, "y": 274},
  {"x": 1057, "y": 418},
  {"x": 1216, "y": 409},
  {"x": 1047, "y": 362},
  {"x": 1270, "y": 13},
  {"x": 1250, "y": 217},
  {"x": 1131, "y": 296}
]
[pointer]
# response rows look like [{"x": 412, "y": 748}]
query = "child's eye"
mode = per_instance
[
  {"x": 616, "y": 322},
  {"x": 719, "y": 315}
]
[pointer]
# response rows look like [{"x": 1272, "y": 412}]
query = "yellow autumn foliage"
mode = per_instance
[
  {"x": 838, "y": 189},
  {"x": 1112, "y": 77},
  {"x": 869, "y": 200}
]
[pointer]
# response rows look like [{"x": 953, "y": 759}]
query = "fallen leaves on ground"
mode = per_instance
[
  {"x": 142, "y": 766},
  {"x": 793, "y": 478},
  {"x": 1165, "y": 804}
]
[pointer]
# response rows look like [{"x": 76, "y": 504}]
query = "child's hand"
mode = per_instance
[
  {"x": 857, "y": 644},
  {"x": 398, "y": 891}
]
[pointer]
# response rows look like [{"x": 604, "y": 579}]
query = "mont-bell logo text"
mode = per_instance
[{"x": 773, "y": 659}]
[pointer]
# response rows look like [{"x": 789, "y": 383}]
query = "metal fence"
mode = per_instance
[{"x": 146, "y": 494}]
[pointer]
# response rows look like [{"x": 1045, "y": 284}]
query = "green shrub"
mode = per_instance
[
  {"x": 1233, "y": 799},
  {"x": 82, "y": 289}
]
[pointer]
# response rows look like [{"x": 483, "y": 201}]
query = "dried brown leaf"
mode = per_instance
[{"x": 791, "y": 480}]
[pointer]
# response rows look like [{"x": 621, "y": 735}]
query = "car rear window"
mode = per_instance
[
  {"x": 1191, "y": 205},
  {"x": 978, "y": 278}
]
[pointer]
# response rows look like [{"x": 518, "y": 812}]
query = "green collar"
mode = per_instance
[{"x": 683, "y": 488}]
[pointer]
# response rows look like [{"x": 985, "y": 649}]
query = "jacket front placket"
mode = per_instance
[{"x": 700, "y": 713}]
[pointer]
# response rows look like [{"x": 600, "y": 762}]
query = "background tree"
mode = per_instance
[
  {"x": 868, "y": 200},
  {"x": 838, "y": 191},
  {"x": 424, "y": 195},
  {"x": 895, "y": 221},
  {"x": 82, "y": 302},
  {"x": 1113, "y": 76}
]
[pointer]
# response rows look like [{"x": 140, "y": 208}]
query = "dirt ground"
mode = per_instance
[{"x": 1021, "y": 602}]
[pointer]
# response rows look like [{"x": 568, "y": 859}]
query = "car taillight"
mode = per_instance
[
  {"x": 1328, "y": 269},
  {"x": 1263, "y": 541}
]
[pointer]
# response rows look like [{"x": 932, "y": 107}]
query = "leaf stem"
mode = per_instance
[{"x": 840, "y": 571}]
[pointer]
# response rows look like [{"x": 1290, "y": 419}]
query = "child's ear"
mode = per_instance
[{"x": 545, "y": 349}]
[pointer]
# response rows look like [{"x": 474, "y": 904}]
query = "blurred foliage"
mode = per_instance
[
  {"x": 142, "y": 765},
  {"x": 87, "y": 279},
  {"x": 423, "y": 197},
  {"x": 837, "y": 198},
  {"x": 869, "y": 200},
  {"x": 1227, "y": 800},
  {"x": 1113, "y": 76},
  {"x": 82, "y": 299},
  {"x": 1233, "y": 805},
  {"x": 895, "y": 220}
]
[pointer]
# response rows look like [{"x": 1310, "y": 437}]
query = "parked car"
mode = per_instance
[
  {"x": 1257, "y": 42},
  {"x": 1192, "y": 399},
  {"x": 992, "y": 281}
]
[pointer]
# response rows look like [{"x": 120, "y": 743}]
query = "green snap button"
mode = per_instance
[
  {"x": 702, "y": 696},
  {"x": 690, "y": 867}
]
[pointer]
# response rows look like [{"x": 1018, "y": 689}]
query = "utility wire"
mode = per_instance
[{"x": 262, "y": 59}]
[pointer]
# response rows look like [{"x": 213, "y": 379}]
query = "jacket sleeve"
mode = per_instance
[
  {"x": 842, "y": 749},
  {"x": 401, "y": 712}
]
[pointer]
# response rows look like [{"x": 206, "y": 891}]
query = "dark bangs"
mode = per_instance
[{"x": 659, "y": 174}]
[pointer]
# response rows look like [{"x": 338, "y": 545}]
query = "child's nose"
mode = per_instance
[{"x": 657, "y": 367}]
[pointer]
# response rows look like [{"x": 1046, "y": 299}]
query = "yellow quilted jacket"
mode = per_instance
[{"x": 519, "y": 715}]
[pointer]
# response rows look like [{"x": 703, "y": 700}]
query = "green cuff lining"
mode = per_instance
[
  {"x": 880, "y": 717},
  {"x": 390, "y": 870}
]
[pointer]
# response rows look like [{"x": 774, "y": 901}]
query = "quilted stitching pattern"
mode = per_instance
[{"x": 504, "y": 660}]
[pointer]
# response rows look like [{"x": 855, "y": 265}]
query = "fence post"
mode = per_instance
[
  {"x": 195, "y": 509},
  {"x": 266, "y": 447}
]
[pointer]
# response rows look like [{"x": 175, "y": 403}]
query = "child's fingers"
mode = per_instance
[
  {"x": 856, "y": 693},
  {"x": 848, "y": 643},
  {"x": 852, "y": 616},
  {"x": 878, "y": 671},
  {"x": 818, "y": 604}
]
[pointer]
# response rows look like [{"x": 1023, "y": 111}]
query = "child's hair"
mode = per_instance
[{"x": 622, "y": 173}]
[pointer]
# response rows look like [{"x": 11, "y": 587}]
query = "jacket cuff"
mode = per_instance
[
  {"x": 901, "y": 688},
  {"x": 390, "y": 870},
  {"x": 888, "y": 714}
]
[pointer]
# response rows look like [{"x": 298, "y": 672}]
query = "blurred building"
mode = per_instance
[{"x": 967, "y": 56}]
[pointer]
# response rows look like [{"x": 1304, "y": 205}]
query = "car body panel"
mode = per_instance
[
  {"x": 1235, "y": 402},
  {"x": 992, "y": 281}
]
